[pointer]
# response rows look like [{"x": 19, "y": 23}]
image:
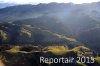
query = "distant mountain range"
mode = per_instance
[
  {"x": 74, "y": 21},
  {"x": 3, "y": 5}
]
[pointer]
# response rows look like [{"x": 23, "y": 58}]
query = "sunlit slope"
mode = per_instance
[
  {"x": 55, "y": 49},
  {"x": 24, "y": 55},
  {"x": 36, "y": 31},
  {"x": 35, "y": 36}
]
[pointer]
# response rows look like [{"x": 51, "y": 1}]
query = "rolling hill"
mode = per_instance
[
  {"x": 50, "y": 30},
  {"x": 67, "y": 19}
]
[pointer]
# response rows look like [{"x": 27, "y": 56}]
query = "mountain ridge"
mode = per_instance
[{"x": 76, "y": 18}]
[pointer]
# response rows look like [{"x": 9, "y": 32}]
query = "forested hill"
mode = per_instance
[{"x": 76, "y": 22}]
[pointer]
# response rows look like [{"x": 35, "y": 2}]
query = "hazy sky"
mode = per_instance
[{"x": 48, "y": 1}]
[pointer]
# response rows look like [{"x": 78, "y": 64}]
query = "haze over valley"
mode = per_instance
[{"x": 67, "y": 28}]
